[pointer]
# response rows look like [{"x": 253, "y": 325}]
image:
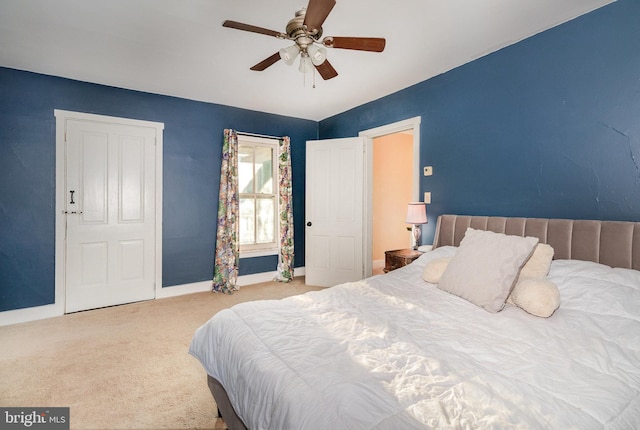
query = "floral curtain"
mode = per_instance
[
  {"x": 225, "y": 273},
  {"x": 285, "y": 258}
]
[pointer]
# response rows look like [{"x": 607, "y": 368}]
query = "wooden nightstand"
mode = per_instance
[{"x": 399, "y": 258}]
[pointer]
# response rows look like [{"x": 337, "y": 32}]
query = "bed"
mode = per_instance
[{"x": 395, "y": 351}]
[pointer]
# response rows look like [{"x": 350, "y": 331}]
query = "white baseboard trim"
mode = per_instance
[
  {"x": 35, "y": 313},
  {"x": 256, "y": 278},
  {"x": 18, "y": 316},
  {"x": 180, "y": 290},
  {"x": 378, "y": 264}
]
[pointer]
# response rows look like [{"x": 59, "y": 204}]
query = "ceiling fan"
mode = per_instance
[{"x": 305, "y": 29}]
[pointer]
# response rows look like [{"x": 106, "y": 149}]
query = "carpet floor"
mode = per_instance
[{"x": 122, "y": 367}]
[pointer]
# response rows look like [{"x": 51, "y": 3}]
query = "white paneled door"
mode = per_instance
[
  {"x": 110, "y": 214},
  {"x": 334, "y": 211}
]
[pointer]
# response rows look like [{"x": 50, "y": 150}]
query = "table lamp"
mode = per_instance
[{"x": 416, "y": 215}]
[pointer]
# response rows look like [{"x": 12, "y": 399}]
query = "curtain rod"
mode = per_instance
[{"x": 242, "y": 133}]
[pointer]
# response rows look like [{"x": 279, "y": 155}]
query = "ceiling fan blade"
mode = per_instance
[
  {"x": 253, "y": 29},
  {"x": 326, "y": 70},
  {"x": 317, "y": 12},
  {"x": 372, "y": 44},
  {"x": 266, "y": 62}
]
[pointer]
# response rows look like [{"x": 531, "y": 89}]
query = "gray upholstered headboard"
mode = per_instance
[{"x": 614, "y": 243}]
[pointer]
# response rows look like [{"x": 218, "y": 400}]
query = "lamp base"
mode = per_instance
[{"x": 416, "y": 236}]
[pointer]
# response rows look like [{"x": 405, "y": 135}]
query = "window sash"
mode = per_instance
[{"x": 258, "y": 190}]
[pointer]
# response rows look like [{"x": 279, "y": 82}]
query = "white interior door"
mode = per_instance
[
  {"x": 110, "y": 214},
  {"x": 334, "y": 211}
]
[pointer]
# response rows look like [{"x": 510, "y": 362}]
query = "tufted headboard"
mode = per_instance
[{"x": 614, "y": 243}]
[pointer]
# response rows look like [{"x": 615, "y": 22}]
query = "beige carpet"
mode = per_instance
[{"x": 123, "y": 367}]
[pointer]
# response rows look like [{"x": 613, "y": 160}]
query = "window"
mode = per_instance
[{"x": 258, "y": 188}]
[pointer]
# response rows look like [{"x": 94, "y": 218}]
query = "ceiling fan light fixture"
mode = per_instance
[
  {"x": 317, "y": 54},
  {"x": 305, "y": 29},
  {"x": 289, "y": 54}
]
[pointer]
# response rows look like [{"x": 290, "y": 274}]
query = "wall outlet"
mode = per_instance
[
  {"x": 428, "y": 170},
  {"x": 427, "y": 197}
]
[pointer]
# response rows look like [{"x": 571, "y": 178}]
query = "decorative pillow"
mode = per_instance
[
  {"x": 434, "y": 269},
  {"x": 486, "y": 266},
  {"x": 538, "y": 265},
  {"x": 539, "y": 297}
]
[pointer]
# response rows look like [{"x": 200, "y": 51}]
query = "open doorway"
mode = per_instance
[
  {"x": 402, "y": 131},
  {"x": 392, "y": 190}
]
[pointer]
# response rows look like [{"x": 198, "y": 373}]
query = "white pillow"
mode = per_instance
[
  {"x": 537, "y": 266},
  {"x": 486, "y": 266},
  {"x": 434, "y": 269},
  {"x": 539, "y": 297}
]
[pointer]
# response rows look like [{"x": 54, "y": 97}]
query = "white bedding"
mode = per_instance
[{"x": 395, "y": 352}]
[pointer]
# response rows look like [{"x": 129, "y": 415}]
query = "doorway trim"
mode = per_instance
[
  {"x": 62, "y": 116},
  {"x": 412, "y": 124}
]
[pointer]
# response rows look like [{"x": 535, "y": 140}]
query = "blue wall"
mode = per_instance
[
  {"x": 548, "y": 127},
  {"x": 192, "y": 147}
]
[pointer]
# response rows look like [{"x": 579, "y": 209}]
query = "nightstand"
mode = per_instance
[{"x": 399, "y": 258}]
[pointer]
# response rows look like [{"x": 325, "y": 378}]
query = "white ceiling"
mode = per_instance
[{"x": 179, "y": 47}]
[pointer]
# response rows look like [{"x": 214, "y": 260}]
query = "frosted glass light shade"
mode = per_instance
[
  {"x": 317, "y": 54},
  {"x": 305, "y": 64},
  {"x": 289, "y": 54}
]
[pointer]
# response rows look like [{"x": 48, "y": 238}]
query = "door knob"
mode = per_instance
[{"x": 309, "y": 224}]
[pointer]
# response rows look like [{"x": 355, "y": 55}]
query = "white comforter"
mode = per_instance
[{"x": 395, "y": 352}]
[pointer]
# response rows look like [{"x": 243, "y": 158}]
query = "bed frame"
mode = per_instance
[{"x": 614, "y": 243}]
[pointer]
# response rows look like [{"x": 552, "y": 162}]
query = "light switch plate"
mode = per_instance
[
  {"x": 427, "y": 197},
  {"x": 428, "y": 170}
]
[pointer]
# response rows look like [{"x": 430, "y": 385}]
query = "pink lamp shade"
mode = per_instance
[{"x": 417, "y": 213}]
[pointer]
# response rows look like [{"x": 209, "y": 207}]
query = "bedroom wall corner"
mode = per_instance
[{"x": 547, "y": 127}]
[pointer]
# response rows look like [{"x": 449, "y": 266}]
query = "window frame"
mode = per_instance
[{"x": 271, "y": 248}]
